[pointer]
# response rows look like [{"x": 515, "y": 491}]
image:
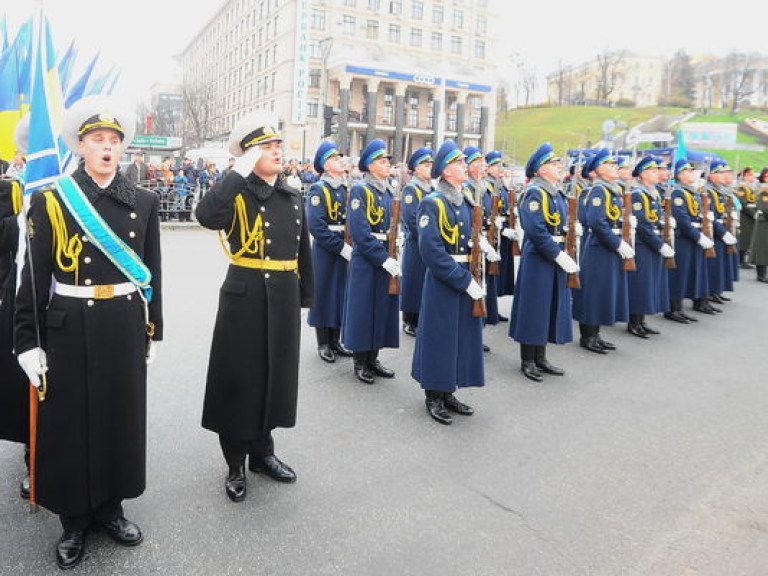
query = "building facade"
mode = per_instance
[{"x": 408, "y": 71}]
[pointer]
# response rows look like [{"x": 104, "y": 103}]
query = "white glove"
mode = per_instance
[
  {"x": 400, "y": 240},
  {"x": 492, "y": 255},
  {"x": 567, "y": 263},
  {"x": 34, "y": 363},
  {"x": 475, "y": 291},
  {"x": 625, "y": 251},
  {"x": 392, "y": 266},
  {"x": 579, "y": 229},
  {"x": 705, "y": 242},
  {"x": 666, "y": 251},
  {"x": 633, "y": 221},
  {"x": 346, "y": 252},
  {"x": 485, "y": 246},
  {"x": 729, "y": 239},
  {"x": 499, "y": 221},
  {"x": 247, "y": 162},
  {"x": 710, "y": 216},
  {"x": 672, "y": 222},
  {"x": 734, "y": 214},
  {"x": 509, "y": 233},
  {"x": 152, "y": 352}
]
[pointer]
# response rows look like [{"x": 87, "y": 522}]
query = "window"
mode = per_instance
[
  {"x": 437, "y": 41},
  {"x": 456, "y": 44},
  {"x": 388, "y": 106},
  {"x": 274, "y": 77},
  {"x": 417, "y": 10},
  {"x": 274, "y": 24},
  {"x": 314, "y": 78},
  {"x": 317, "y": 20},
  {"x": 395, "y": 6},
  {"x": 348, "y": 24},
  {"x": 437, "y": 14},
  {"x": 350, "y": 2},
  {"x": 413, "y": 109},
  {"x": 479, "y": 49},
  {"x": 314, "y": 50},
  {"x": 373, "y": 5},
  {"x": 481, "y": 25},
  {"x": 458, "y": 19},
  {"x": 415, "y": 36},
  {"x": 394, "y": 33},
  {"x": 312, "y": 108},
  {"x": 372, "y": 30}
]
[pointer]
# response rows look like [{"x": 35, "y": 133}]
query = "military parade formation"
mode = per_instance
[{"x": 599, "y": 239}]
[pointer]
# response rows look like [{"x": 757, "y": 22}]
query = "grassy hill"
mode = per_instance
[{"x": 520, "y": 132}]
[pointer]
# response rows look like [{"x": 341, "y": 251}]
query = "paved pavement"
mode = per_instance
[{"x": 652, "y": 461}]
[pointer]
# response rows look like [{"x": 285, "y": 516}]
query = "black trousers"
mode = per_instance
[
  {"x": 235, "y": 451},
  {"x": 411, "y": 318},
  {"x": 110, "y": 510}
]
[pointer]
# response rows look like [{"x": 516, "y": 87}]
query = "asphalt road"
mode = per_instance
[{"x": 651, "y": 461}]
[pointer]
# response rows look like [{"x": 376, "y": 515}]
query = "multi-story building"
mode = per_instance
[
  {"x": 383, "y": 67},
  {"x": 741, "y": 76}
]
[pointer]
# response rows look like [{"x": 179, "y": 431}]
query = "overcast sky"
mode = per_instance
[{"x": 141, "y": 36}]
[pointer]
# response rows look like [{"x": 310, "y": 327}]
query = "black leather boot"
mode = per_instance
[
  {"x": 377, "y": 367},
  {"x": 362, "y": 369},
  {"x": 70, "y": 549},
  {"x": 410, "y": 322},
  {"x": 235, "y": 483},
  {"x": 743, "y": 264},
  {"x": 761, "y": 276},
  {"x": 436, "y": 407},
  {"x": 543, "y": 364},
  {"x": 323, "y": 345},
  {"x": 528, "y": 363},
  {"x": 676, "y": 312},
  {"x": 635, "y": 326},
  {"x": 455, "y": 405},
  {"x": 588, "y": 338},
  {"x": 336, "y": 345}
]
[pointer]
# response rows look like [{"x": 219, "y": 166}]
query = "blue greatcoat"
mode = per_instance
[
  {"x": 370, "y": 313},
  {"x": 541, "y": 309},
  {"x": 505, "y": 285},
  {"x": 603, "y": 295},
  {"x": 449, "y": 345},
  {"x": 689, "y": 278},
  {"x": 649, "y": 284},
  {"x": 722, "y": 272},
  {"x": 491, "y": 282},
  {"x": 326, "y": 214},
  {"x": 413, "y": 266}
]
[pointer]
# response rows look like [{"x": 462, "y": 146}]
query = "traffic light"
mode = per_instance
[{"x": 330, "y": 120}]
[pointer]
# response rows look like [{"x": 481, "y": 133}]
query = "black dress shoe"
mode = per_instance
[
  {"x": 503, "y": 318},
  {"x": 454, "y": 405},
  {"x": 273, "y": 467},
  {"x": 486, "y": 348},
  {"x": 714, "y": 309},
  {"x": 724, "y": 298},
  {"x": 436, "y": 409},
  {"x": 364, "y": 374},
  {"x": 326, "y": 354},
  {"x": 689, "y": 318},
  {"x": 122, "y": 531},
  {"x": 636, "y": 330},
  {"x": 703, "y": 308},
  {"x": 24, "y": 488},
  {"x": 379, "y": 369},
  {"x": 235, "y": 484},
  {"x": 717, "y": 299},
  {"x": 409, "y": 329},
  {"x": 676, "y": 317},
  {"x": 605, "y": 344},
  {"x": 70, "y": 549},
  {"x": 762, "y": 278},
  {"x": 648, "y": 329},
  {"x": 531, "y": 371},
  {"x": 543, "y": 365},
  {"x": 339, "y": 350},
  {"x": 591, "y": 344}
]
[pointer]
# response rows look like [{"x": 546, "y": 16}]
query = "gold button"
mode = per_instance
[
  {"x": 132, "y": 234},
  {"x": 90, "y": 302},
  {"x": 88, "y": 282},
  {"x": 87, "y": 259}
]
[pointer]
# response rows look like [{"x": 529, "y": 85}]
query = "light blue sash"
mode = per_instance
[{"x": 103, "y": 237}]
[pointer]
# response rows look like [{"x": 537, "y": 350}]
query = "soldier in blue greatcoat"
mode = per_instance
[
  {"x": 371, "y": 314},
  {"x": 505, "y": 285},
  {"x": 449, "y": 347},
  {"x": 604, "y": 299},
  {"x": 420, "y": 165},
  {"x": 649, "y": 284},
  {"x": 326, "y": 206},
  {"x": 541, "y": 309}
]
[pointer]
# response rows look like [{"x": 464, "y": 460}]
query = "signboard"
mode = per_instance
[
  {"x": 418, "y": 78},
  {"x": 301, "y": 63},
  {"x": 717, "y": 135},
  {"x": 169, "y": 142}
]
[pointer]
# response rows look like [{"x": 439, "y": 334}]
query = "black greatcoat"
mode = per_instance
[
  {"x": 253, "y": 371},
  {"x": 92, "y": 426},
  {"x": 14, "y": 385}
]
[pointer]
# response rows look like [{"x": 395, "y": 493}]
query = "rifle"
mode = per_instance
[
  {"x": 706, "y": 225},
  {"x": 570, "y": 236},
  {"x": 394, "y": 220},
  {"x": 347, "y": 233},
  {"x": 731, "y": 249},
  {"x": 514, "y": 246},
  {"x": 626, "y": 229},
  {"x": 493, "y": 233},
  {"x": 667, "y": 233},
  {"x": 476, "y": 257}
]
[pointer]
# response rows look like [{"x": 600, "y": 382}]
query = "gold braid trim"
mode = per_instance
[
  {"x": 693, "y": 206},
  {"x": 372, "y": 212},
  {"x": 251, "y": 238},
  {"x": 16, "y": 196},
  {"x": 64, "y": 246},
  {"x": 449, "y": 233},
  {"x": 650, "y": 215},
  {"x": 551, "y": 219},
  {"x": 331, "y": 205},
  {"x": 719, "y": 206},
  {"x": 611, "y": 210}
]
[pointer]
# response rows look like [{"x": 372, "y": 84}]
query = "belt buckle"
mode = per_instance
[{"x": 104, "y": 291}]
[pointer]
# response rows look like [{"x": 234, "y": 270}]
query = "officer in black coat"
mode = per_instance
[
  {"x": 253, "y": 372},
  {"x": 88, "y": 324}
]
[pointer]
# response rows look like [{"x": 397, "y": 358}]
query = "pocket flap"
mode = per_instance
[{"x": 234, "y": 287}]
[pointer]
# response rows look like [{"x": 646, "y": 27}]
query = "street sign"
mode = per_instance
[{"x": 167, "y": 142}]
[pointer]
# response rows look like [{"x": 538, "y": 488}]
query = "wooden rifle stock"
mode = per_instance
[
  {"x": 730, "y": 249},
  {"x": 493, "y": 233},
  {"x": 626, "y": 230},
  {"x": 667, "y": 233},
  {"x": 706, "y": 224},
  {"x": 394, "y": 282},
  {"x": 476, "y": 259},
  {"x": 570, "y": 238},
  {"x": 514, "y": 245}
]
